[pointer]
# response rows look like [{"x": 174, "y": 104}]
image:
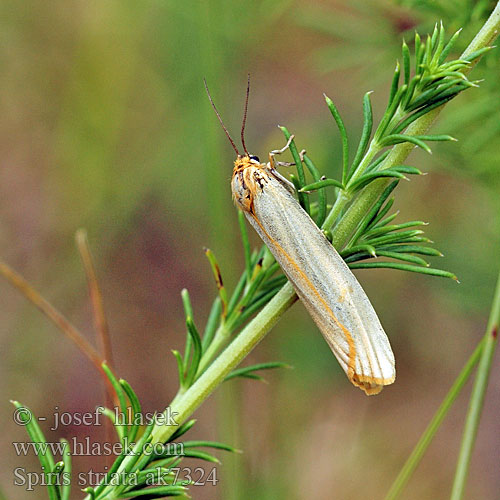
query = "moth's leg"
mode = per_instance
[
  {"x": 272, "y": 162},
  {"x": 286, "y": 183}
]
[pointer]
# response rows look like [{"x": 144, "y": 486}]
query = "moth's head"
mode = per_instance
[
  {"x": 249, "y": 178},
  {"x": 244, "y": 161},
  {"x": 254, "y": 159}
]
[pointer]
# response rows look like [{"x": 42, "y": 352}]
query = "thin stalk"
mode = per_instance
[
  {"x": 477, "y": 399},
  {"x": 373, "y": 150},
  {"x": 220, "y": 339},
  {"x": 344, "y": 196},
  {"x": 100, "y": 321},
  {"x": 425, "y": 440},
  {"x": 342, "y": 199},
  {"x": 17, "y": 281},
  {"x": 482, "y": 355}
]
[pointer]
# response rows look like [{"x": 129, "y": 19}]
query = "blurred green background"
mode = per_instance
[{"x": 105, "y": 124}]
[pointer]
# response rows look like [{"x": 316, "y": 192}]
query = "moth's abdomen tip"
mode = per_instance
[
  {"x": 371, "y": 385},
  {"x": 371, "y": 390}
]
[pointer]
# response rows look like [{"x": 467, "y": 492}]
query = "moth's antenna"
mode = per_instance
[
  {"x": 245, "y": 118},
  {"x": 220, "y": 119}
]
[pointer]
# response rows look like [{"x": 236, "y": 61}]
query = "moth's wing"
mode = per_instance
[{"x": 326, "y": 286}]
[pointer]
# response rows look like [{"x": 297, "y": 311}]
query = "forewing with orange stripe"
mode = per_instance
[{"x": 326, "y": 286}]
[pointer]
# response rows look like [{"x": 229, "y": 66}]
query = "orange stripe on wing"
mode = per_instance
[{"x": 351, "y": 372}]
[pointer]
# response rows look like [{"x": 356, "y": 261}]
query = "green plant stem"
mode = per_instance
[
  {"x": 345, "y": 197},
  {"x": 426, "y": 438},
  {"x": 269, "y": 315},
  {"x": 246, "y": 340},
  {"x": 373, "y": 150},
  {"x": 400, "y": 152},
  {"x": 487, "y": 34},
  {"x": 220, "y": 339},
  {"x": 226, "y": 328},
  {"x": 483, "y": 355},
  {"x": 477, "y": 398},
  {"x": 338, "y": 206}
]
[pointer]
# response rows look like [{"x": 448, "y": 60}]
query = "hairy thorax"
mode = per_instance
[{"x": 249, "y": 178}]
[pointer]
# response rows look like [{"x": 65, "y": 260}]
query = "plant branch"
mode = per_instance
[
  {"x": 489, "y": 342},
  {"x": 101, "y": 323},
  {"x": 425, "y": 440},
  {"x": 400, "y": 152},
  {"x": 17, "y": 281},
  {"x": 243, "y": 343}
]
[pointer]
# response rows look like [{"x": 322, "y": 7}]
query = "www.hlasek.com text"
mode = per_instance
[{"x": 89, "y": 448}]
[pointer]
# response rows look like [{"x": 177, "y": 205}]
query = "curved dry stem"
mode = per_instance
[
  {"x": 29, "y": 292},
  {"x": 100, "y": 321}
]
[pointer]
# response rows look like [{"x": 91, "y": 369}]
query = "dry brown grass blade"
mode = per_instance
[
  {"x": 100, "y": 321},
  {"x": 18, "y": 282}
]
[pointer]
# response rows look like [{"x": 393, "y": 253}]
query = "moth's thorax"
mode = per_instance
[{"x": 249, "y": 178}]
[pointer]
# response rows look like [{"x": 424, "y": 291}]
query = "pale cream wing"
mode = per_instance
[{"x": 326, "y": 286}]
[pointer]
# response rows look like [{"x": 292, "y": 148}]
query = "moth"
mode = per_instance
[{"x": 322, "y": 280}]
